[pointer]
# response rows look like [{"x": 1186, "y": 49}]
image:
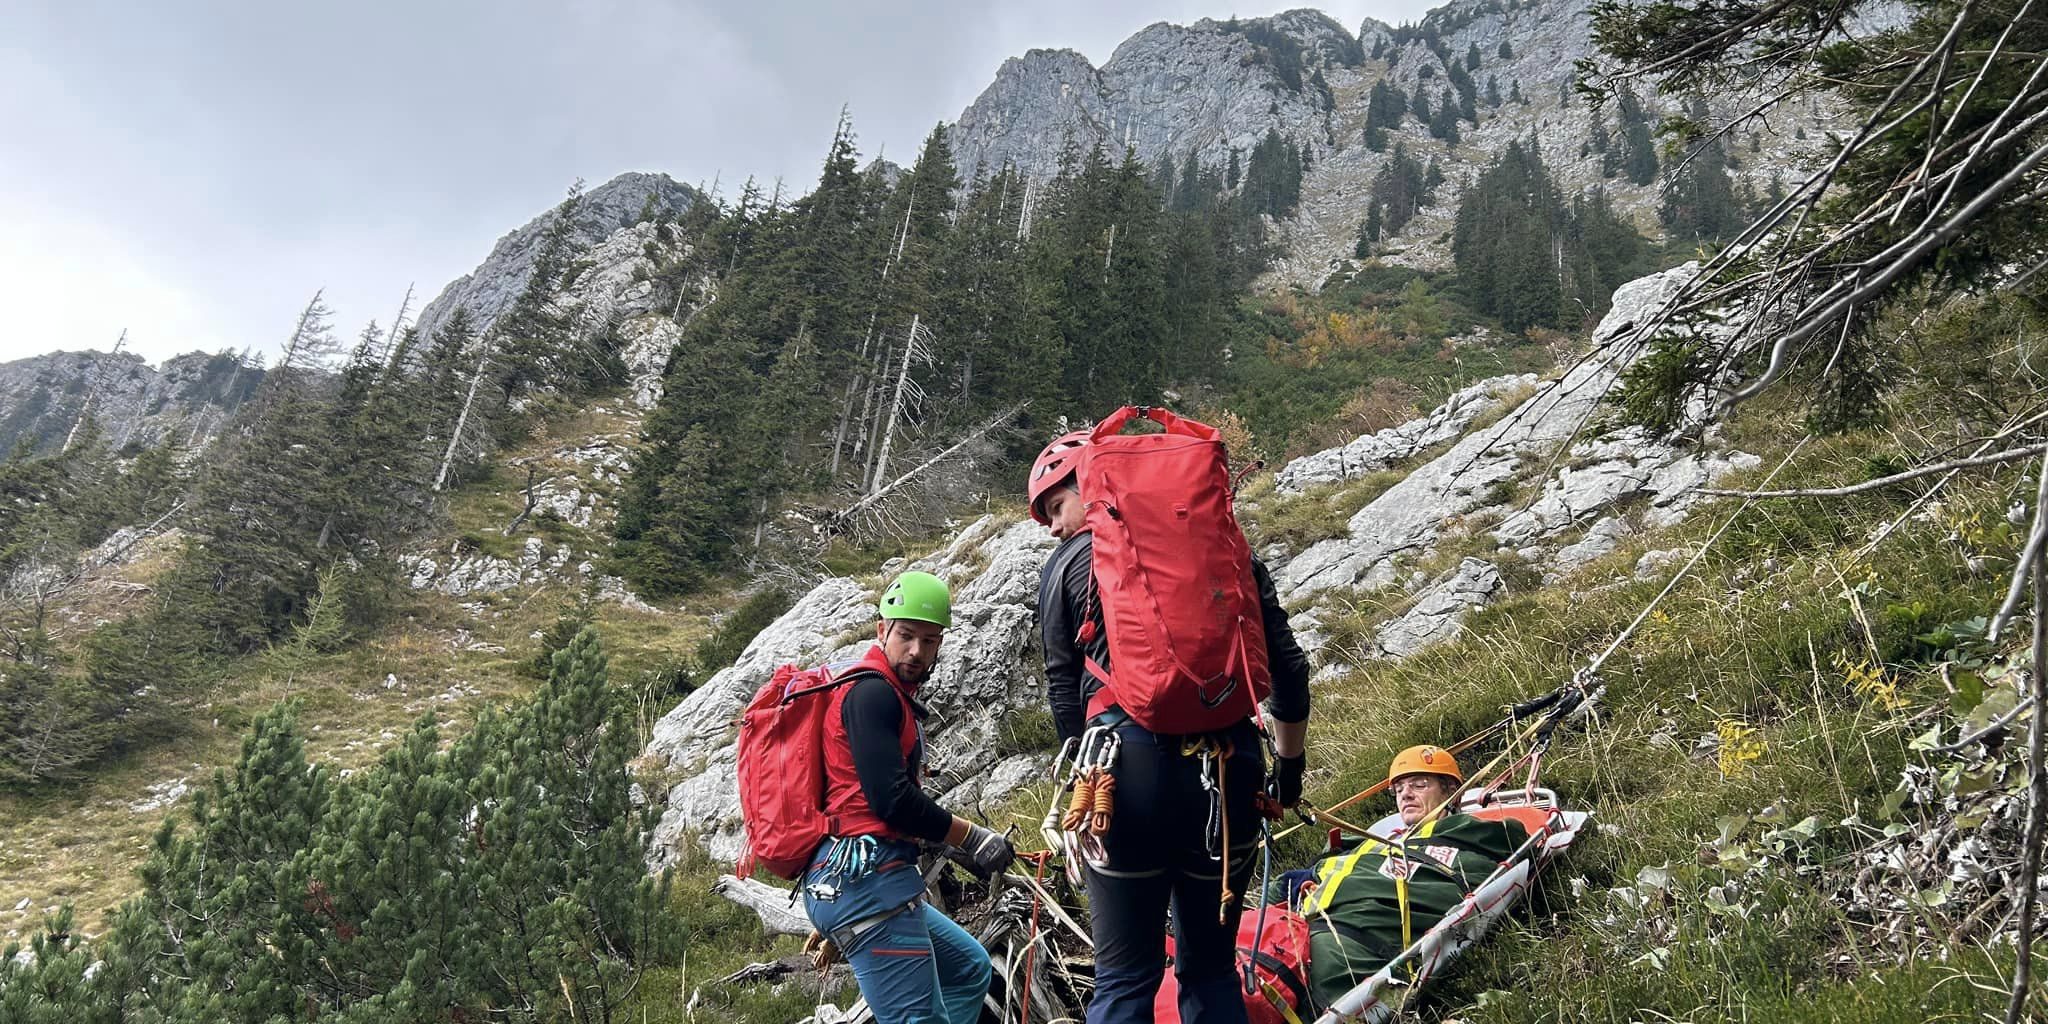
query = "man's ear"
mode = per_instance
[{"x": 881, "y": 630}]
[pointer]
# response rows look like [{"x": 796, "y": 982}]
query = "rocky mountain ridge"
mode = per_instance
[
  {"x": 1211, "y": 90},
  {"x": 185, "y": 399},
  {"x": 620, "y": 203}
]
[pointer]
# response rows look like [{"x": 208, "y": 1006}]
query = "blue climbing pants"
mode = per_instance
[{"x": 914, "y": 965}]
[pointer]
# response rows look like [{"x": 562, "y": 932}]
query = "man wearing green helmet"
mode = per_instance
[{"x": 863, "y": 891}]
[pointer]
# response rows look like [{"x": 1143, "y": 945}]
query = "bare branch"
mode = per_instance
[
  {"x": 2009, "y": 455},
  {"x": 2028, "y": 556}
]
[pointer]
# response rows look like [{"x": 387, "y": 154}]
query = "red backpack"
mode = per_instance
[
  {"x": 1173, "y": 576},
  {"x": 782, "y": 769},
  {"x": 1278, "y": 956}
]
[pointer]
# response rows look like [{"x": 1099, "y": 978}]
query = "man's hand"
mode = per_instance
[
  {"x": 990, "y": 852},
  {"x": 1287, "y": 778},
  {"x": 822, "y": 951}
]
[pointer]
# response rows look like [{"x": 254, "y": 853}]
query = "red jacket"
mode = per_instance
[{"x": 846, "y": 803}]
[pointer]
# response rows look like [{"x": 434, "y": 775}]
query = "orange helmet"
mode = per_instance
[
  {"x": 1053, "y": 467},
  {"x": 1425, "y": 760}
]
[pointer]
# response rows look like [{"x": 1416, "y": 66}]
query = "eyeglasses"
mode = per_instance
[{"x": 1419, "y": 784}]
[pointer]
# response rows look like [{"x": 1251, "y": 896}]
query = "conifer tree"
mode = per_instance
[
  {"x": 1526, "y": 258},
  {"x": 1700, "y": 204}
]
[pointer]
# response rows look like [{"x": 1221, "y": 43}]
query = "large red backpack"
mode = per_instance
[
  {"x": 782, "y": 769},
  {"x": 1173, "y": 576},
  {"x": 1277, "y": 954}
]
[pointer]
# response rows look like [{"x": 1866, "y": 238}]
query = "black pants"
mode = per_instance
[{"x": 1158, "y": 855}]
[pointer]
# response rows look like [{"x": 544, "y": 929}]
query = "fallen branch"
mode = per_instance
[
  {"x": 766, "y": 971},
  {"x": 2009, "y": 455},
  {"x": 839, "y": 518},
  {"x": 770, "y": 904}
]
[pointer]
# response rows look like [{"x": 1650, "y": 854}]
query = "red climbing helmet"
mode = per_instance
[{"x": 1053, "y": 467}]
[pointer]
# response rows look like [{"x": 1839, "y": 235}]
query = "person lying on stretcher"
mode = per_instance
[{"x": 1369, "y": 902}]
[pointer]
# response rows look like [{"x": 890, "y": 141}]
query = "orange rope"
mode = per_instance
[
  {"x": 1093, "y": 804},
  {"x": 1105, "y": 802},
  {"x": 1084, "y": 798},
  {"x": 1223, "y": 752}
]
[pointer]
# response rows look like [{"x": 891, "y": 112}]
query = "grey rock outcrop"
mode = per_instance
[
  {"x": 987, "y": 675},
  {"x": 1374, "y": 452},
  {"x": 490, "y": 289},
  {"x": 1408, "y": 518},
  {"x": 1167, "y": 91},
  {"x": 1616, "y": 483},
  {"x": 615, "y": 296},
  {"x": 1210, "y": 90},
  {"x": 189, "y": 396}
]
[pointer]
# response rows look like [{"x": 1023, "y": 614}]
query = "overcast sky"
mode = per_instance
[{"x": 192, "y": 171}]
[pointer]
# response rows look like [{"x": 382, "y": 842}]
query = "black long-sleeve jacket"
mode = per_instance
[{"x": 1062, "y": 591}]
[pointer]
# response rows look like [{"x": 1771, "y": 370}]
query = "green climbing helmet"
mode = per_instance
[{"x": 920, "y": 596}]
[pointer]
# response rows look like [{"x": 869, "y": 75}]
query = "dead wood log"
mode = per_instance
[{"x": 772, "y": 905}]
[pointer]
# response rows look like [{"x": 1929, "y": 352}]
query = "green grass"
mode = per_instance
[
  {"x": 1740, "y": 651},
  {"x": 723, "y": 937}
]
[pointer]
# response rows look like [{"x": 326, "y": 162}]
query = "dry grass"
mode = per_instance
[{"x": 440, "y": 655}]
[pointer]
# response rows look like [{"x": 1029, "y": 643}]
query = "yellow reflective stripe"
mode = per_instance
[
  {"x": 1427, "y": 829},
  {"x": 1328, "y": 879}
]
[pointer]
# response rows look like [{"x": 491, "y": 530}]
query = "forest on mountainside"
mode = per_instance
[{"x": 1800, "y": 706}]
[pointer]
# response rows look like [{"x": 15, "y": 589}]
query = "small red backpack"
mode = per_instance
[
  {"x": 782, "y": 769},
  {"x": 1173, "y": 577},
  {"x": 1278, "y": 957}
]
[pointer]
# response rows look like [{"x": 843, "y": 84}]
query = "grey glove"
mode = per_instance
[{"x": 989, "y": 850}]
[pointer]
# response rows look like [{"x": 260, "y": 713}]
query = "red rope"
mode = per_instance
[{"x": 1043, "y": 857}]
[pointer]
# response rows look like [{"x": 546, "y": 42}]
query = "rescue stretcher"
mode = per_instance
[{"x": 1552, "y": 829}]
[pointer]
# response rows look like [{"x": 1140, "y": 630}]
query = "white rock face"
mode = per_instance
[
  {"x": 187, "y": 397},
  {"x": 1595, "y": 481},
  {"x": 1374, "y": 452},
  {"x": 1408, "y": 518},
  {"x": 988, "y": 670},
  {"x": 1439, "y": 614},
  {"x": 1167, "y": 91},
  {"x": 645, "y": 344}
]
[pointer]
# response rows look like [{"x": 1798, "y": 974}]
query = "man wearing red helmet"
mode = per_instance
[{"x": 1156, "y": 846}]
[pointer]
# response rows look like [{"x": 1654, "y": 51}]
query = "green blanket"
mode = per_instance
[{"x": 1355, "y": 912}]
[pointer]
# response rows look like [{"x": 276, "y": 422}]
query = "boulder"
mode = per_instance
[
  {"x": 1439, "y": 613},
  {"x": 1378, "y": 451}
]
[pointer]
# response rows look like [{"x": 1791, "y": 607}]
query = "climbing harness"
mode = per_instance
[{"x": 1215, "y": 753}]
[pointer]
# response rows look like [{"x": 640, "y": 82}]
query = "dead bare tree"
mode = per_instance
[
  {"x": 870, "y": 512},
  {"x": 92, "y": 391},
  {"x": 908, "y": 395},
  {"x": 462, "y": 419},
  {"x": 532, "y": 490}
]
